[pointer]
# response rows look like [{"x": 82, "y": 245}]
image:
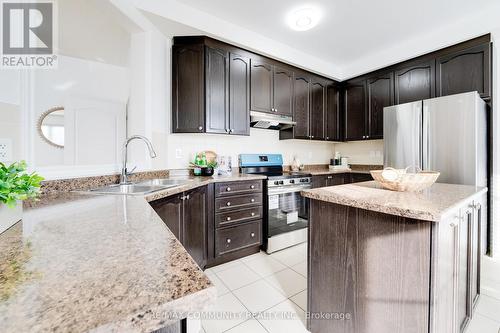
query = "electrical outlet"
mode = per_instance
[
  {"x": 178, "y": 153},
  {"x": 5, "y": 150}
]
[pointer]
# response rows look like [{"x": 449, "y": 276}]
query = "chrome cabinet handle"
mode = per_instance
[
  {"x": 476, "y": 206},
  {"x": 252, "y": 234},
  {"x": 200, "y": 128},
  {"x": 228, "y": 189},
  {"x": 228, "y": 203},
  {"x": 328, "y": 138},
  {"x": 329, "y": 177},
  {"x": 228, "y": 240},
  {"x": 252, "y": 200},
  {"x": 253, "y": 214},
  {"x": 252, "y": 186},
  {"x": 456, "y": 220},
  {"x": 228, "y": 218}
]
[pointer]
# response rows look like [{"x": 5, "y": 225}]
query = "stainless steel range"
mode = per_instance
[{"x": 285, "y": 220}]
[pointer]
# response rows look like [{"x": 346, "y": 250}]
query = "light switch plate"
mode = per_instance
[
  {"x": 178, "y": 153},
  {"x": 5, "y": 150}
]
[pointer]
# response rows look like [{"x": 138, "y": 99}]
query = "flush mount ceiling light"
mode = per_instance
[{"x": 303, "y": 19}]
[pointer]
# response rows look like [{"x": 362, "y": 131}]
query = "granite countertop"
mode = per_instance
[
  {"x": 196, "y": 181},
  {"x": 431, "y": 204},
  {"x": 81, "y": 262}
]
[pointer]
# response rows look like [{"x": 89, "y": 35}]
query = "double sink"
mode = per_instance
[{"x": 141, "y": 188}]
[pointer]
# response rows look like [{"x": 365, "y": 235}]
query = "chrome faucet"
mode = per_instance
[{"x": 124, "y": 175}]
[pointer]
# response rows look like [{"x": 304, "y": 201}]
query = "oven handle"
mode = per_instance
[{"x": 287, "y": 189}]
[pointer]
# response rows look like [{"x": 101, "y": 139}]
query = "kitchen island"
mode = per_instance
[{"x": 383, "y": 261}]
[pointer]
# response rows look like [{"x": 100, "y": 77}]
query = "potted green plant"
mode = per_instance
[{"x": 16, "y": 185}]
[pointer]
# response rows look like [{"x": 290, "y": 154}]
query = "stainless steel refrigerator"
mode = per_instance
[{"x": 446, "y": 134}]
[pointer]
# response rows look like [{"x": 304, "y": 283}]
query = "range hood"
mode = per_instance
[{"x": 270, "y": 121}]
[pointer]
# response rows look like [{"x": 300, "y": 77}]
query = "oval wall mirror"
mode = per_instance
[{"x": 51, "y": 126}]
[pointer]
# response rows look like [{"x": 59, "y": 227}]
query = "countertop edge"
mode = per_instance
[{"x": 413, "y": 214}]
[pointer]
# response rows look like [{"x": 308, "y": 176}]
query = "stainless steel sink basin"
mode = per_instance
[
  {"x": 165, "y": 182},
  {"x": 141, "y": 188},
  {"x": 132, "y": 189}
]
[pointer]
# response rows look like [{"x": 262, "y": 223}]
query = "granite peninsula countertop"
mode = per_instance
[
  {"x": 430, "y": 205},
  {"x": 102, "y": 263}
]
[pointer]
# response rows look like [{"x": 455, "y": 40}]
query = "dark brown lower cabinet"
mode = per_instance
[
  {"x": 330, "y": 180},
  {"x": 186, "y": 215},
  {"x": 360, "y": 177},
  {"x": 376, "y": 273},
  {"x": 236, "y": 230}
]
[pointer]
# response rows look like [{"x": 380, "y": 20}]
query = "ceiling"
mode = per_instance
[{"x": 349, "y": 30}]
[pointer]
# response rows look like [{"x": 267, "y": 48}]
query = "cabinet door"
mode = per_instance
[
  {"x": 317, "y": 110},
  {"x": 261, "y": 78},
  {"x": 301, "y": 107},
  {"x": 415, "y": 83},
  {"x": 332, "y": 111},
  {"x": 380, "y": 94},
  {"x": 333, "y": 180},
  {"x": 188, "y": 97},
  {"x": 360, "y": 177},
  {"x": 465, "y": 71},
  {"x": 355, "y": 111},
  {"x": 195, "y": 224},
  {"x": 170, "y": 211},
  {"x": 239, "y": 95},
  {"x": 283, "y": 91},
  {"x": 216, "y": 93},
  {"x": 319, "y": 181}
]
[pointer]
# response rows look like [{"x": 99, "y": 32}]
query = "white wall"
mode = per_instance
[
  {"x": 259, "y": 141},
  {"x": 362, "y": 152},
  {"x": 74, "y": 81},
  {"x": 88, "y": 29}
]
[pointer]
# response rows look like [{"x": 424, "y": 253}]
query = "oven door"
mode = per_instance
[{"x": 287, "y": 209}]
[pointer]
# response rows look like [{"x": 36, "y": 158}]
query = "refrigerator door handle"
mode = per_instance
[{"x": 425, "y": 138}]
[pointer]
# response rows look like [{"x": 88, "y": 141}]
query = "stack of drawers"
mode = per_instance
[{"x": 238, "y": 216}]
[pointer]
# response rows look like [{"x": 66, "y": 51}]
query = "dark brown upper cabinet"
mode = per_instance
[
  {"x": 380, "y": 91},
  {"x": 239, "y": 94},
  {"x": 188, "y": 93},
  {"x": 464, "y": 71},
  {"x": 312, "y": 110},
  {"x": 261, "y": 93},
  {"x": 415, "y": 82},
  {"x": 271, "y": 88},
  {"x": 333, "y": 114},
  {"x": 301, "y": 107},
  {"x": 216, "y": 90},
  {"x": 210, "y": 87},
  {"x": 318, "y": 90},
  {"x": 283, "y": 91},
  {"x": 355, "y": 111}
]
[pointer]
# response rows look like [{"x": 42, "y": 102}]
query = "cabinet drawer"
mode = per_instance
[
  {"x": 237, "y": 202},
  {"x": 231, "y": 188},
  {"x": 238, "y": 237},
  {"x": 239, "y": 216}
]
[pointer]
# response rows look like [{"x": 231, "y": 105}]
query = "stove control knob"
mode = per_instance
[
  {"x": 276, "y": 182},
  {"x": 292, "y": 181},
  {"x": 281, "y": 182}
]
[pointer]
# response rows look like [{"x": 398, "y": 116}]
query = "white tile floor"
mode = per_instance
[
  {"x": 487, "y": 316},
  {"x": 267, "y": 294},
  {"x": 263, "y": 293}
]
